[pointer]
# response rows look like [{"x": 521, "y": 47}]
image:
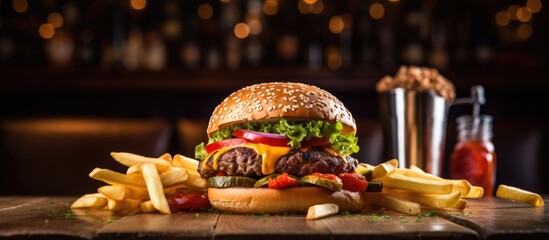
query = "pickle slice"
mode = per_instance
[
  {"x": 230, "y": 181},
  {"x": 374, "y": 187},
  {"x": 368, "y": 174},
  {"x": 264, "y": 181},
  {"x": 322, "y": 182}
]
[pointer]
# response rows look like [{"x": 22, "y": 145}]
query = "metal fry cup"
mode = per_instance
[{"x": 414, "y": 124}]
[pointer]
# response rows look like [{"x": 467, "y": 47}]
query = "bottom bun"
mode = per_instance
[{"x": 298, "y": 200}]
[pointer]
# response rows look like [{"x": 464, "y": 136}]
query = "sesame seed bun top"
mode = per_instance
[{"x": 269, "y": 102}]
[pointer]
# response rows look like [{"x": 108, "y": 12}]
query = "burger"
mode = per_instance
[{"x": 281, "y": 147}]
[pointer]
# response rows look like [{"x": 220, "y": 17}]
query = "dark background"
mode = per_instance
[{"x": 173, "y": 61}]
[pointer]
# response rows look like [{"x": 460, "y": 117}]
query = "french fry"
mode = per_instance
[
  {"x": 397, "y": 181},
  {"x": 127, "y": 205},
  {"x": 393, "y": 162},
  {"x": 130, "y": 159},
  {"x": 166, "y": 156},
  {"x": 476, "y": 192},
  {"x": 416, "y": 169},
  {"x": 119, "y": 192},
  {"x": 174, "y": 176},
  {"x": 115, "y": 178},
  {"x": 90, "y": 201},
  {"x": 383, "y": 169},
  {"x": 321, "y": 210},
  {"x": 462, "y": 185},
  {"x": 460, "y": 205},
  {"x": 147, "y": 207},
  {"x": 393, "y": 203},
  {"x": 184, "y": 162},
  {"x": 362, "y": 168},
  {"x": 154, "y": 186},
  {"x": 195, "y": 181},
  {"x": 133, "y": 169},
  {"x": 169, "y": 178},
  {"x": 520, "y": 195},
  {"x": 430, "y": 200}
]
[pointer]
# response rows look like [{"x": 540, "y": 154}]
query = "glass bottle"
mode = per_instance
[{"x": 474, "y": 158}]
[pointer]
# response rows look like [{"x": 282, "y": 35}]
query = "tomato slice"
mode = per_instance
[
  {"x": 188, "y": 202},
  {"x": 354, "y": 182},
  {"x": 225, "y": 143},
  {"x": 316, "y": 142},
  {"x": 327, "y": 176},
  {"x": 272, "y": 139},
  {"x": 283, "y": 181}
]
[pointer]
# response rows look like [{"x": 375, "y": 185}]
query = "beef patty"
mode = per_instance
[{"x": 244, "y": 161}]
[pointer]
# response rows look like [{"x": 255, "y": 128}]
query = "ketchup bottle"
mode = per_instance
[{"x": 474, "y": 158}]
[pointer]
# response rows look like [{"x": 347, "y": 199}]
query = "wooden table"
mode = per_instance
[{"x": 50, "y": 217}]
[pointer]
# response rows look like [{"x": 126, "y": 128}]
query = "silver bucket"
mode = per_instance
[{"x": 414, "y": 126}]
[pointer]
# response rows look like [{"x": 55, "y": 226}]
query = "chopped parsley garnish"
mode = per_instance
[
  {"x": 382, "y": 217},
  {"x": 424, "y": 215},
  {"x": 69, "y": 214},
  {"x": 345, "y": 213}
]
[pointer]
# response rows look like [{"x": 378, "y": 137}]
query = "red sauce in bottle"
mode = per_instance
[{"x": 474, "y": 157}]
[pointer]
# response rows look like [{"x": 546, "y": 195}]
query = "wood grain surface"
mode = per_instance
[
  {"x": 496, "y": 218},
  {"x": 50, "y": 217}
]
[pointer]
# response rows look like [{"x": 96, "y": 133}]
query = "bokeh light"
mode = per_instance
[
  {"x": 502, "y": 18},
  {"x": 46, "y": 30},
  {"x": 333, "y": 58},
  {"x": 377, "y": 11},
  {"x": 525, "y": 31},
  {"x": 534, "y": 5},
  {"x": 524, "y": 14},
  {"x": 205, "y": 11},
  {"x": 336, "y": 24},
  {"x": 255, "y": 27},
  {"x": 20, "y": 6},
  {"x": 241, "y": 30},
  {"x": 512, "y": 11},
  {"x": 270, "y": 7},
  {"x": 138, "y": 4},
  {"x": 55, "y": 19}
]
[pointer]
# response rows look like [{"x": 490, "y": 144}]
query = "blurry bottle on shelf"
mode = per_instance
[
  {"x": 172, "y": 31},
  {"x": 254, "y": 20},
  {"x": 412, "y": 49},
  {"x": 365, "y": 31},
  {"x": 154, "y": 53},
  {"x": 190, "y": 54},
  {"x": 133, "y": 50},
  {"x": 438, "y": 56},
  {"x": 345, "y": 41},
  {"x": 287, "y": 42},
  {"x": 228, "y": 20},
  {"x": 118, "y": 35},
  {"x": 60, "y": 50},
  {"x": 213, "y": 57},
  {"x": 387, "y": 47},
  {"x": 190, "y": 51},
  {"x": 313, "y": 32}
]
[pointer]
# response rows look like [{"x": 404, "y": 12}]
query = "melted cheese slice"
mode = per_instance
[{"x": 269, "y": 155}]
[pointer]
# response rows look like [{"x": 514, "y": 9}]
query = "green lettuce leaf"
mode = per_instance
[{"x": 297, "y": 131}]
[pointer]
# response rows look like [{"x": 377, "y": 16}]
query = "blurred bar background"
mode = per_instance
[{"x": 176, "y": 60}]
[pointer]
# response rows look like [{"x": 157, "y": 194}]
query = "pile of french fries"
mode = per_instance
[
  {"x": 405, "y": 190},
  {"x": 144, "y": 186}
]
